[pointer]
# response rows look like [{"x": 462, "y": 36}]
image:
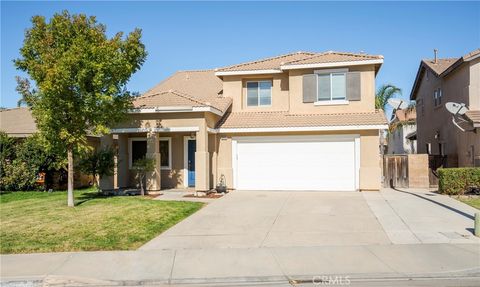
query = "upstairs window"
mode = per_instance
[
  {"x": 259, "y": 93},
  {"x": 331, "y": 87},
  {"x": 437, "y": 97}
]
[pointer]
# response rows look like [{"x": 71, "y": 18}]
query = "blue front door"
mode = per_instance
[{"x": 192, "y": 147}]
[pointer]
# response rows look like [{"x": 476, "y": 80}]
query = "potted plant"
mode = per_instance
[{"x": 222, "y": 185}]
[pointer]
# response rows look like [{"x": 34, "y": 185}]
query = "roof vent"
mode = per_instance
[{"x": 435, "y": 52}]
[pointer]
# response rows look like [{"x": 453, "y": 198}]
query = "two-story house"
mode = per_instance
[
  {"x": 300, "y": 121},
  {"x": 439, "y": 81}
]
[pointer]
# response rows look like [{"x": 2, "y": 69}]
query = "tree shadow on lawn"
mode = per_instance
[{"x": 85, "y": 197}]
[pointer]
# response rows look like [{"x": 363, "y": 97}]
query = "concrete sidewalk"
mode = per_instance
[
  {"x": 241, "y": 265},
  {"x": 410, "y": 216}
]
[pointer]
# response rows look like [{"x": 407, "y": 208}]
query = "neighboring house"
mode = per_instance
[
  {"x": 19, "y": 123},
  {"x": 402, "y": 137},
  {"x": 300, "y": 121},
  {"x": 439, "y": 81}
]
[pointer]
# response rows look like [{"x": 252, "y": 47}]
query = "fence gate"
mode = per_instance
[{"x": 395, "y": 170}]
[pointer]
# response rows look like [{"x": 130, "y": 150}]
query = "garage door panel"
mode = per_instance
[{"x": 296, "y": 165}]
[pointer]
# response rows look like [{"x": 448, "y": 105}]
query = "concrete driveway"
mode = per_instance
[{"x": 253, "y": 219}]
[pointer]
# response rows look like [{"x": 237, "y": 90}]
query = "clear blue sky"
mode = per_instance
[{"x": 200, "y": 35}]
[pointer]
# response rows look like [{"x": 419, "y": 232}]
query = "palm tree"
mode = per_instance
[{"x": 385, "y": 92}]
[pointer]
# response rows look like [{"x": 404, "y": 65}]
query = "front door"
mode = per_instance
[{"x": 192, "y": 147}]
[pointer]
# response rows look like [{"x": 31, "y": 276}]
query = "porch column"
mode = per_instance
[
  {"x": 123, "y": 172},
  {"x": 107, "y": 182},
  {"x": 202, "y": 178},
  {"x": 153, "y": 152}
]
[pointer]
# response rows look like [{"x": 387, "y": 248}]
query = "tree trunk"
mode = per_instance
[
  {"x": 142, "y": 191},
  {"x": 70, "y": 202}
]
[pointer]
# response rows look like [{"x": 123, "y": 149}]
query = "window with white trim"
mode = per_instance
[
  {"x": 332, "y": 87},
  {"x": 259, "y": 93}
]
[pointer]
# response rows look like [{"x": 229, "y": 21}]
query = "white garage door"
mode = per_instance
[{"x": 295, "y": 163}]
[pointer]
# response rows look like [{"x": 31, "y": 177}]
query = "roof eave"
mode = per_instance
[
  {"x": 331, "y": 64},
  {"x": 421, "y": 67},
  {"x": 297, "y": 129},
  {"x": 247, "y": 72},
  {"x": 177, "y": 109}
]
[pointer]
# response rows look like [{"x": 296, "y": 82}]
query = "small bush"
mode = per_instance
[{"x": 455, "y": 181}]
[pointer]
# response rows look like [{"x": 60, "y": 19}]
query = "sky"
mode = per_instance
[{"x": 204, "y": 35}]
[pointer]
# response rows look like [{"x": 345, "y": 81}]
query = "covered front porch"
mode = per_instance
[{"x": 181, "y": 154}]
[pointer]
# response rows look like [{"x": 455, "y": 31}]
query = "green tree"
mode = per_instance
[
  {"x": 384, "y": 93},
  {"x": 80, "y": 76},
  {"x": 142, "y": 167},
  {"x": 98, "y": 163}
]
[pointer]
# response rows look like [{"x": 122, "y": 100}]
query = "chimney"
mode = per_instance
[{"x": 435, "y": 52}]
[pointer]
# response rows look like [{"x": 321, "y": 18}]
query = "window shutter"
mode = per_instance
[
  {"x": 309, "y": 88},
  {"x": 354, "y": 88}
]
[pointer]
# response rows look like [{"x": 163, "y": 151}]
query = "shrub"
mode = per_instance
[
  {"x": 98, "y": 163},
  {"x": 455, "y": 181},
  {"x": 22, "y": 159},
  {"x": 18, "y": 175}
]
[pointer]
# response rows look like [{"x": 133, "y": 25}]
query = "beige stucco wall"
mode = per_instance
[
  {"x": 474, "y": 85},
  {"x": 287, "y": 92},
  {"x": 459, "y": 86},
  {"x": 235, "y": 87},
  {"x": 418, "y": 172},
  {"x": 366, "y": 104},
  {"x": 370, "y": 171}
]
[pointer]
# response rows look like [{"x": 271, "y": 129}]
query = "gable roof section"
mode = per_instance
[
  {"x": 253, "y": 120},
  {"x": 17, "y": 122},
  {"x": 272, "y": 63},
  {"x": 300, "y": 60},
  {"x": 186, "y": 88},
  {"x": 441, "y": 68}
]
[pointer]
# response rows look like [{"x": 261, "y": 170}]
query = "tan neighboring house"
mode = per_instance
[
  {"x": 439, "y": 81},
  {"x": 402, "y": 138},
  {"x": 19, "y": 123},
  {"x": 300, "y": 121}
]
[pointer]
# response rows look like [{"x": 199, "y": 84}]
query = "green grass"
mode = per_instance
[
  {"x": 42, "y": 222},
  {"x": 472, "y": 201}
]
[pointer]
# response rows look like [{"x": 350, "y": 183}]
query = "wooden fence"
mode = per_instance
[{"x": 395, "y": 170}]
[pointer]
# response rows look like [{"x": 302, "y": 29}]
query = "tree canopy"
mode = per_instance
[{"x": 80, "y": 78}]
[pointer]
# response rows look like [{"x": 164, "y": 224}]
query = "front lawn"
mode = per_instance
[
  {"x": 42, "y": 222},
  {"x": 472, "y": 201}
]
